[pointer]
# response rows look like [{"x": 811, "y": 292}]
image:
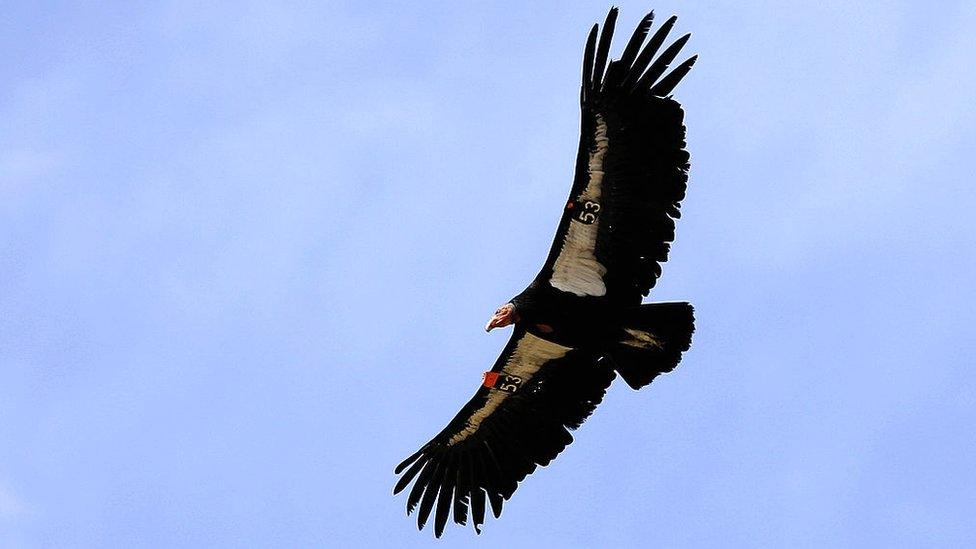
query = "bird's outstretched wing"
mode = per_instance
[
  {"x": 520, "y": 418},
  {"x": 631, "y": 169}
]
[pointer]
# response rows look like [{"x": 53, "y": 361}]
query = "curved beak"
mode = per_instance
[
  {"x": 495, "y": 322},
  {"x": 502, "y": 317}
]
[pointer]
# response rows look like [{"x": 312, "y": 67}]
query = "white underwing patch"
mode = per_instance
[
  {"x": 530, "y": 353},
  {"x": 576, "y": 269}
]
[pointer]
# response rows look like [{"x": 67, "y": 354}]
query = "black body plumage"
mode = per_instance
[{"x": 580, "y": 321}]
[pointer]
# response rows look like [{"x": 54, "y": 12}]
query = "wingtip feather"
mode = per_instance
[
  {"x": 403, "y": 464},
  {"x": 667, "y": 85},
  {"x": 603, "y": 49},
  {"x": 662, "y": 63},
  {"x": 407, "y": 477},
  {"x": 589, "y": 51},
  {"x": 649, "y": 51},
  {"x": 636, "y": 40}
]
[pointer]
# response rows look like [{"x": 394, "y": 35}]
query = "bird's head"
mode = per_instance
[{"x": 505, "y": 315}]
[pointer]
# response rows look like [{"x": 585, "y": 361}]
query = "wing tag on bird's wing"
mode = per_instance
[
  {"x": 584, "y": 211},
  {"x": 502, "y": 382}
]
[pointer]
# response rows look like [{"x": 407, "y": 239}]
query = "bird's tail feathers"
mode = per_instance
[{"x": 651, "y": 340}]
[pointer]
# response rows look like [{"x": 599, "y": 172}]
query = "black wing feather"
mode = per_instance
[
  {"x": 603, "y": 50},
  {"x": 408, "y": 476},
  {"x": 647, "y": 54},
  {"x": 636, "y": 40},
  {"x": 403, "y": 464},
  {"x": 664, "y": 87},
  {"x": 588, "y": 53},
  {"x": 446, "y": 496},
  {"x": 420, "y": 484},
  {"x": 640, "y": 174},
  {"x": 477, "y": 508},
  {"x": 462, "y": 490},
  {"x": 461, "y": 467},
  {"x": 661, "y": 63}
]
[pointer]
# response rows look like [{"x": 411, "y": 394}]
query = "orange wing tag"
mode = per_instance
[{"x": 501, "y": 381}]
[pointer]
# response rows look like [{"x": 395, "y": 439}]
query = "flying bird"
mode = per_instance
[{"x": 581, "y": 321}]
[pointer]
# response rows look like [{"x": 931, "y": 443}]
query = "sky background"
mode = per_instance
[{"x": 247, "y": 251}]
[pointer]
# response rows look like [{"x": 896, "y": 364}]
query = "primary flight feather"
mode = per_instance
[{"x": 580, "y": 322}]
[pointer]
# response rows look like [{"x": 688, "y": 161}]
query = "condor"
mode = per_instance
[{"x": 580, "y": 322}]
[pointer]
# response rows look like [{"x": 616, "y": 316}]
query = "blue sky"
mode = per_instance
[{"x": 247, "y": 251}]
